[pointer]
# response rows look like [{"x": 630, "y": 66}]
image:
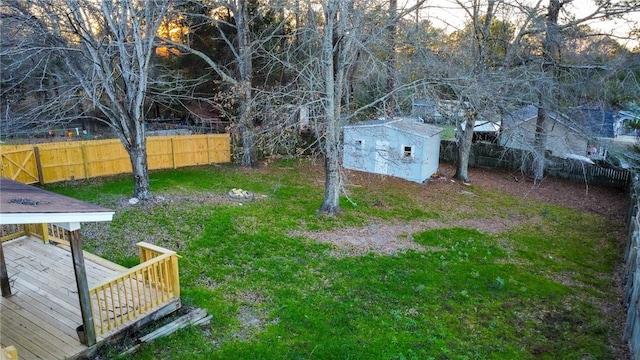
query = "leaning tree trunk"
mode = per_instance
[{"x": 465, "y": 138}]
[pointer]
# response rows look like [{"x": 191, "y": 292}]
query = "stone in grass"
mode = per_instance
[{"x": 241, "y": 195}]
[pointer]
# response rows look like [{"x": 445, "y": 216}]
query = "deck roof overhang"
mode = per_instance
[{"x": 25, "y": 204}]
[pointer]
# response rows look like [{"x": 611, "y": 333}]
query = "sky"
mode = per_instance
[{"x": 446, "y": 14}]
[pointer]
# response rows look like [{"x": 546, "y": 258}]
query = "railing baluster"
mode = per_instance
[
  {"x": 126, "y": 296},
  {"x": 112, "y": 308},
  {"x": 144, "y": 287}
]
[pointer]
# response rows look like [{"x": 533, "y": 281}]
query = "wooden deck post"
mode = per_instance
[
  {"x": 45, "y": 233},
  {"x": 83, "y": 287},
  {"x": 175, "y": 279},
  {"x": 4, "y": 277}
]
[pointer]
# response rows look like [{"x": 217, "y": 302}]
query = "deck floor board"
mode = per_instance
[{"x": 39, "y": 319}]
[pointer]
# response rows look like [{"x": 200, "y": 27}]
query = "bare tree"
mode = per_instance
[
  {"x": 461, "y": 76},
  {"x": 243, "y": 45},
  {"x": 337, "y": 53},
  {"x": 474, "y": 105},
  {"x": 35, "y": 85},
  {"x": 551, "y": 28},
  {"x": 106, "y": 48},
  {"x": 325, "y": 49},
  {"x": 392, "y": 55},
  {"x": 529, "y": 44}
]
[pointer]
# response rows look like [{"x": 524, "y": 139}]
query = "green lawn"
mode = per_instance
[{"x": 535, "y": 290}]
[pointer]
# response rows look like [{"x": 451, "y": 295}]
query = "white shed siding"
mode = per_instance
[
  {"x": 380, "y": 148},
  {"x": 431, "y": 157}
]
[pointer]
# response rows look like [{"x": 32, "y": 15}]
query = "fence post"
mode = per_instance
[
  {"x": 36, "y": 155},
  {"x": 208, "y": 137},
  {"x": 84, "y": 160},
  {"x": 173, "y": 153}
]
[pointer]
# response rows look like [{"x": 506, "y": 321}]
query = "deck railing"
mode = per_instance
[
  {"x": 10, "y": 232},
  {"x": 135, "y": 292},
  {"x": 46, "y": 232}
]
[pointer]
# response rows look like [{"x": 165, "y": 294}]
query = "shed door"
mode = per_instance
[{"x": 382, "y": 157}]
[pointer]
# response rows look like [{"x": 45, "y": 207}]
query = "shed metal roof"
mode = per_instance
[{"x": 406, "y": 124}]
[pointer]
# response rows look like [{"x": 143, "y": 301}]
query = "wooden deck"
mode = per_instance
[{"x": 41, "y": 316}]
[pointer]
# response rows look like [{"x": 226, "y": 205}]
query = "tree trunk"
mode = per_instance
[
  {"x": 331, "y": 202},
  {"x": 465, "y": 138},
  {"x": 391, "y": 57},
  {"x": 138, "y": 155},
  {"x": 471, "y": 102},
  {"x": 245, "y": 68},
  {"x": 550, "y": 53},
  {"x": 332, "y": 72},
  {"x": 247, "y": 145},
  {"x": 539, "y": 144}
]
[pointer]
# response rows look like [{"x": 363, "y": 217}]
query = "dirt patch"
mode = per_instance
[
  {"x": 394, "y": 238},
  {"x": 124, "y": 203},
  {"x": 605, "y": 201}
]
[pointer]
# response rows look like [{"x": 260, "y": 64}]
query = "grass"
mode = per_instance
[{"x": 536, "y": 290}]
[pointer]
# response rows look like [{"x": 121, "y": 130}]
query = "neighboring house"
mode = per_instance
[
  {"x": 442, "y": 112},
  {"x": 401, "y": 147},
  {"x": 599, "y": 123},
  {"x": 625, "y": 117},
  {"x": 484, "y": 130},
  {"x": 450, "y": 112},
  {"x": 563, "y": 137}
]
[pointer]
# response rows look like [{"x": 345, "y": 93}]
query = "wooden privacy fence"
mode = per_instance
[
  {"x": 62, "y": 161},
  {"x": 491, "y": 155},
  {"x": 632, "y": 272}
]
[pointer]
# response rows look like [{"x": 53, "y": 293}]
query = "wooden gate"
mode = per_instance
[{"x": 19, "y": 163}]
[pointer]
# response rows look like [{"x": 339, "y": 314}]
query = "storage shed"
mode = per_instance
[{"x": 401, "y": 147}]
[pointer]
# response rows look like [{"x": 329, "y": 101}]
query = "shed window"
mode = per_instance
[
  {"x": 407, "y": 152},
  {"x": 359, "y": 144}
]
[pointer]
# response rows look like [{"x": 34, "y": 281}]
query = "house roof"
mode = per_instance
[
  {"x": 530, "y": 112},
  {"x": 599, "y": 122},
  {"x": 26, "y": 204},
  {"x": 405, "y": 124},
  {"x": 594, "y": 122},
  {"x": 524, "y": 114},
  {"x": 627, "y": 114},
  {"x": 483, "y": 126}
]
